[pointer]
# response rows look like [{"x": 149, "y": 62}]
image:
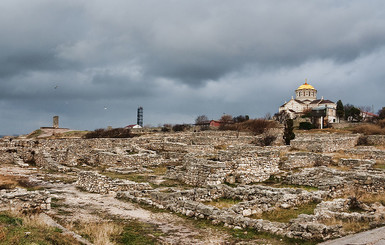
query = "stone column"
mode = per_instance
[{"x": 56, "y": 122}]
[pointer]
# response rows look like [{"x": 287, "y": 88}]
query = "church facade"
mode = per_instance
[{"x": 306, "y": 101}]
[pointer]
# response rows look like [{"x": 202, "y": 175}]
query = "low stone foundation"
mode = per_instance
[
  {"x": 93, "y": 182},
  {"x": 324, "y": 142},
  {"x": 304, "y": 159},
  {"x": 25, "y": 201},
  {"x": 337, "y": 181}
]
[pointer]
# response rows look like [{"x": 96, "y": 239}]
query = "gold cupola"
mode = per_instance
[{"x": 306, "y": 92}]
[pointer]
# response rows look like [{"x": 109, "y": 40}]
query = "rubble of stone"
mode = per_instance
[{"x": 215, "y": 165}]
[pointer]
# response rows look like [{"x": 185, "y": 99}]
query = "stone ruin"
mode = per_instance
[{"x": 220, "y": 165}]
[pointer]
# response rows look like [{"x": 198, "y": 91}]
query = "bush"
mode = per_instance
[
  {"x": 362, "y": 140},
  {"x": 288, "y": 134},
  {"x": 381, "y": 123},
  {"x": 257, "y": 126},
  {"x": 180, "y": 127},
  {"x": 306, "y": 125},
  {"x": 267, "y": 140},
  {"x": 109, "y": 133}
]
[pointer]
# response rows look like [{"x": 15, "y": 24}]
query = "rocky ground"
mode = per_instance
[
  {"x": 201, "y": 188},
  {"x": 72, "y": 206}
]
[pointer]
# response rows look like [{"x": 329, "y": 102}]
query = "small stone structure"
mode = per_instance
[
  {"x": 93, "y": 182},
  {"x": 25, "y": 201},
  {"x": 55, "y": 122}
]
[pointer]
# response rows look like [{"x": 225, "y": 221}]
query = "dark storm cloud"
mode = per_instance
[{"x": 94, "y": 62}]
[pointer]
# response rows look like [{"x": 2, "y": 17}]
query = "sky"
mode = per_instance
[{"x": 94, "y": 62}]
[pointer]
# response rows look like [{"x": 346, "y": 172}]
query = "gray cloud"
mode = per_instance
[{"x": 180, "y": 59}]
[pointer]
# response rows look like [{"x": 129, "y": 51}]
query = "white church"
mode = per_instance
[{"x": 306, "y": 100}]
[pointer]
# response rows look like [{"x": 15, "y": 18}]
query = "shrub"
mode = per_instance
[
  {"x": 362, "y": 140},
  {"x": 180, "y": 127},
  {"x": 267, "y": 140},
  {"x": 307, "y": 113},
  {"x": 306, "y": 125},
  {"x": 257, "y": 126},
  {"x": 109, "y": 133},
  {"x": 288, "y": 134},
  {"x": 381, "y": 123}
]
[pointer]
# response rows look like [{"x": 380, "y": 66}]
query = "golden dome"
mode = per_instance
[{"x": 305, "y": 86}]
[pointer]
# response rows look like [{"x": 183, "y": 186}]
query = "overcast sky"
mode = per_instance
[{"x": 93, "y": 62}]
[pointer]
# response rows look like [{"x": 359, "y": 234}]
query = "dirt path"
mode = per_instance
[
  {"x": 177, "y": 230},
  {"x": 91, "y": 207},
  {"x": 371, "y": 237}
]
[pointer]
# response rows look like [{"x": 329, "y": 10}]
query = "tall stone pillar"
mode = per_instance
[{"x": 56, "y": 122}]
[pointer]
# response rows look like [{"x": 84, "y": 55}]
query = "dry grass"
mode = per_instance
[
  {"x": 325, "y": 130},
  {"x": 380, "y": 164},
  {"x": 17, "y": 228},
  {"x": 341, "y": 154},
  {"x": 285, "y": 215},
  {"x": 10, "y": 182},
  {"x": 341, "y": 168},
  {"x": 34, "y": 220},
  {"x": 372, "y": 198},
  {"x": 160, "y": 170},
  {"x": 102, "y": 233},
  {"x": 7, "y": 182},
  {"x": 220, "y": 147},
  {"x": 348, "y": 225},
  {"x": 380, "y": 147},
  {"x": 223, "y": 203},
  {"x": 363, "y": 196},
  {"x": 71, "y": 134},
  {"x": 369, "y": 129},
  {"x": 35, "y": 134}
]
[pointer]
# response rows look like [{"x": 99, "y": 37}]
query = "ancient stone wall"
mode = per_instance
[
  {"x": 324, "y": 142},
  {"x": 27, "y": 201},
  {"x": 337, "y": 181},
  {"x": 256, "y": 199},
  {"x": 376, "y": 139},
  {"x": 304, "y": 159},
  {"x": 93, "y": 182}
]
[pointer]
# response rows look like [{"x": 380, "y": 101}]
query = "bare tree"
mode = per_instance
[
  {"x": 281, "y": 116},
  {"x": 267, "y": 116},
  {"x": 365, "y": 108},
  {"x": 202, "y": 119}
]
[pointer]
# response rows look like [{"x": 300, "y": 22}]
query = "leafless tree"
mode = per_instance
[{"x": 202, "y": 119}]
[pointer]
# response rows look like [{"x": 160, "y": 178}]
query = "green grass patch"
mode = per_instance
[
  {"x": 35, "y": 133},
  {"x": 171, "y": 183},
  {"x": 274, "y": 182},
  {"x": 223, "y": 203},
  {"x": 8, "y": 219},
  {"x": 380, "y": 165},
  {"x": 29, "y": 230},
  {"x": 75, "y": 133},
  {"x": 133, "y": 177},
  {"x": 236, "y": 236},
  {"x": 285, "y": 215},
  {"x": 138, "y": 233},
  {"x": 247, "y": 235},
  {"x": 159, "y": 170}
]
